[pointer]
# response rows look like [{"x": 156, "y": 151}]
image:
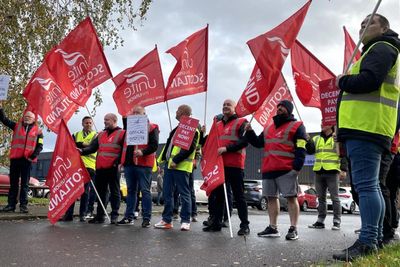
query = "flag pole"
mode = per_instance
[
  {"x": 205, "y": 108},
  {"x": 169, "y": 116},
  {"x": 362, "y": 36},
  {"x": 227, "y": 211},
  {"x": 294, "y": 103}
]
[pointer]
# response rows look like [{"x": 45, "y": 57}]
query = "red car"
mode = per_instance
[
  {"x": 5, "y": 182},
  {"x": 307, "y": 198}
]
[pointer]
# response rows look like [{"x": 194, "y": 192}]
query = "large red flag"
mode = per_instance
[
  {"x": 268, "y": 109},
  {"x": 189, "y": 75},
  {"x": 270, "y": 51},
  {"x": 349, "y": 47},
  {"x": 67, "y": 175},
  {"x": 212, "y": 164},
  {"x": 308, "y": 71},
  {"x": 48, "y": 100},
  {"x": 78, "y": 63},
  {"x": 141, "y": 84}
]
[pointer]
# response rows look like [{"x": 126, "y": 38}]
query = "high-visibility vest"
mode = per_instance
[
  {"x": 23, "y": 144},
  {"x": 88, "y": 160},
  {"x": 186, "y": 164},
  {"x": 326, "y": 156},
  {"x": 279, "y": 146},
  {"x": 374, "y": 112},
  {"x": 229, "y": 134},
  {"x": 145, "y": 161},
  {"x": 109, "y": 148}
]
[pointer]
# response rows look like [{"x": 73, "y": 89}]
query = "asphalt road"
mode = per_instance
[{"x": 37, "y": 243}]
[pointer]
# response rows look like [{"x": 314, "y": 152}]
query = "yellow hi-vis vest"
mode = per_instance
[
  {"x": 186, "y": 164},
  {"x": 88, "y": 160},
  {"x": 374, "y": 112},
  {"x": 325, "y": 154}
]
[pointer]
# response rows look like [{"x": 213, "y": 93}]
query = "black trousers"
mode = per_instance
[
  {"x": 108, "y": 178},
  {"x": 19, "y": 168},
  {"x": 391, "y": 221},
  {"x": 233, "y": 179}
]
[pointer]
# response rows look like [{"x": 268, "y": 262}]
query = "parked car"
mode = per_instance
[
  {"x": 307, "y": 197},
  {"x": 253, "y": 194},
  {"x": 346, "y": 200},
  {"x": 5, "y": 183}
]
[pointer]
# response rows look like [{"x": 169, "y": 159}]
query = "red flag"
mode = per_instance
[
  {"x": 270, "y": 51},
  {"x": 212, "y": 164},
  {"x": 349, "y": 47},
  {"x": 141, "y": 84},
  {"x": 268, "y": 109},
  {"x": 48, "y": 100},
  {"x": 189, "y": 75},
  {"x": 67, "y": 175},
  {"x": 78, "y": 63},
  {"x": 308, "y": 71}
]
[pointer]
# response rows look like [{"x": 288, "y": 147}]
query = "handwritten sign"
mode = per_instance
[
  {"x": 4, "y": 82},
  {"x": 185, "y": 133},
  {"x": 328, "y": 95},
  {"x": 137, "y": 132}
]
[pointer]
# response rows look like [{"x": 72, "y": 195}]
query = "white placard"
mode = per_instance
[
  {"x": 4, "y": 82},
  {"x": 137, "y": 130}
]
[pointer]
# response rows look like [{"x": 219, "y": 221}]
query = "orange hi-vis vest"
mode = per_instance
[
  {"x": 229, "y": 134},
  {"x": 279, "y": 146},
  {"x": 147, "y": 160},
  {"x": 23, "y": 144},
  {"x": 109, "y": 148}
]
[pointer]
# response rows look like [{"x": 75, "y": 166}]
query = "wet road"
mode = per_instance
[{"x": 37, "y": 243}]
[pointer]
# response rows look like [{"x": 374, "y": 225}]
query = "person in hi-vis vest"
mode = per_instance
[
  {"x": 367, "y": 118},
  {"x": 82, "y": 139},
  {"x": 26, "y": 144}
]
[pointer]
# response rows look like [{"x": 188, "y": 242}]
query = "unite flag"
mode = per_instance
[
  {"x": 190, "y": 73},
  {"x": 270, "y": 51},
  {"x": 67, "y": 175},
  {"x": 142, "y": 84}
]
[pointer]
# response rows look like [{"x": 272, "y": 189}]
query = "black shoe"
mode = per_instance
[
  {"x": 126, "y": 221},
  {"x": 358, "y": 249},
  {"x": 244, "y": 230},
  {"x": 23, "y": 209},
  {"x": 212, "y": 228},
  {"x": 96, "y": 220},
  {"x": 8, "y": 209},
  {"x": 317, "y": 225},
  {"x": 146, "y": 223},
  {"x": 269, "y": 232},
  {"x": 292, "y": 234},
  {"x": 206, "y": 223}
]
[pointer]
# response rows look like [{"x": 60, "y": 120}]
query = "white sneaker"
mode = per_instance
[
  {"x": 163, "y": 225},
  {"x": 185, "y": 227}
]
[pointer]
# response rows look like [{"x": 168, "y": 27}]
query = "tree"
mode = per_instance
[{"x": 29, "y": 28}]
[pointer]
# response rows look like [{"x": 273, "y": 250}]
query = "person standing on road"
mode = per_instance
[
  {"x": 284, "y": 144},
  {"x": 108, "y": 145},
  {"x": 179, "y": 165},
  {"x": 82, "y": 139},
  {"x": 26, "y": 144},
  {"x": 233, "y": 150},
  {"x": 328, "y": 168},
  {"x": 138, "y": 162},
  {"x": 367, "y": 117}
]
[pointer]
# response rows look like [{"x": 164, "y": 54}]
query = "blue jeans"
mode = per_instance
[
  {"x": 180, "y": 179},
  {"x": 365, "y": 158},
  {"x": 138, "y": 176}
]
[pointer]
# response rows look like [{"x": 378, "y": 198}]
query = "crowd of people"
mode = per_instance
[{"x": 364, "y": 147}]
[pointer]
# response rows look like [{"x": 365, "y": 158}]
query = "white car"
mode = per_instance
[{"x": 346, "y": 200}]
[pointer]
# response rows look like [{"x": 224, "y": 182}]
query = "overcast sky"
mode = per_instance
[{"x": 231, "y": 24}]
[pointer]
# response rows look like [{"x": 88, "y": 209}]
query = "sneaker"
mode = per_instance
[
  {"x": 126, "y": 221},
  {"x": 212, "y": 228},
  {"x": 358, "y": 249},
  {"x": 269, "y": 232},
  {"x": 23, "y": 209},
  {"x": 146, "y": 223},
  {"x": 194, "y": 219},
  {"x": 163, "y": 225},
  {"x": 244, "y": 230},
  {"x": 336, "y": 226},
  {"x": 317, "y": 225},
  {"x": 292, "y": 234},
  {"x": 8, "y": 208},
  {"x": 89, "y": 215},
  {"x": 185, "y": 227}
]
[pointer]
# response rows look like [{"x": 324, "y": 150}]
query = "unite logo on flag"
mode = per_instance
[
  {"x": 284, "y": 49},
  {"x": 138, "y": 86}
]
